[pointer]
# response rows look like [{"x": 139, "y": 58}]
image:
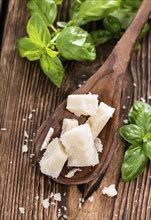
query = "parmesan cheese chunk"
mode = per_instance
[
  {"x": 98, "y": 144},
  {"x": 99, "y": 120},
  {"x": 68, "y": 124},
  {"x": 79, "y": 146},
  {"x": 110, "y": 191},
  {"x": 54, "y": 159},
  {"x": 47, "y": 139},
  {"x": 72, "y": 172},
  {"x": 82, "y": 104}
]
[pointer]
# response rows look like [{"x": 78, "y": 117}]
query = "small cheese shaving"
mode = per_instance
[
  {"x": 134, "y": 84},
  {"x": 57, "y": 197},
  {"x": 64, "y": 207},
  {"x": 33, "y": 110},
  {"x": 30, "y": 116},
  {"x": 124, "y": 107},
  {"x": 128, "y": 97},
  {"x": 24, "y": 148},
  {"x": 125, "y": 121},
  {"x": 142, "y": 99},
  {"x": 72, "y": 172},
  {"x": 22, "y": 210},
  {"x": 3, "y": 129},
  {"x": 90, "y": 198},
  {"x": 51, "y": 195},
  {"x": 45, "y": 203},
  {"x": 65, "y": 216},
  {"x": 31, "y": 156},
  {"x": 26, "y": 135},
  {"x": 36, "y": 197},
  {"x": 98, "y": 144},
  {"x": 47, "y": 139},
  {"x": 110, "y": 191}
]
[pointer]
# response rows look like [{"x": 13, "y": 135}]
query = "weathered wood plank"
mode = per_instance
[{"x": 24, "y": 87}]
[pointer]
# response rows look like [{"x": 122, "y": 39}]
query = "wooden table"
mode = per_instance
[{"x": 23, "y": 87}]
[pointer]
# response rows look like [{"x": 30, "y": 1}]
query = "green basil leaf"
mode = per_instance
[
  {"x": 140, "y": 114},
  {"x": 131, "y": 4},
  {"x": 74, "y": 43},
  {"x": 38, "y": 31},
  {"x": 47, "y": 10},
  {"x": 95, "y": 10},
  {"x": 58, "y": 2},
  {"x": 112, "y": 24},
  {"x": 75, "y": 7},
  {"x": 125, "y": 16},
  {"x": 101, "y": 36},
  {"x": 134, "y": 163},
  {"x": 132, "y": 133},
  {"x": 147, "y": 149},
  {"x": 53, "y": 68},
  {"x": 27, "y": 48},
  {"x": 62, "y": 24},
  {"x": 51, "y": 53}
]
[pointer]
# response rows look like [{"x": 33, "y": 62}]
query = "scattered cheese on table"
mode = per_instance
[
  {"x": 47, "y": 139},
  {"x": 82, "y": 104},
  {"x": 72, "y": 172},
  {"x": 57, "y": 196},
  {"x": 110, "y": 191},
  {"x": 68, "y": 124},
  {"x": 91, "y": 198},
  {"x": 53, "y": 159},
  {"x": 46, "y": 203},
  {"x": 99, "y": 120},
  {"x": 79, "y": 146},
  {"x": 98, "y": 144},
  {"x": 3, "y": 129},
  {"x": 24, "y": 148},
  {"x": 22, "y": 210}
]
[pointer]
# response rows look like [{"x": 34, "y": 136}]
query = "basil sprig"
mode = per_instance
[{"x": 137, "y": 133}]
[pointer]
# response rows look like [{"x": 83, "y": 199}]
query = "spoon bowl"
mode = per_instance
[{"x": 107, "y": 83}]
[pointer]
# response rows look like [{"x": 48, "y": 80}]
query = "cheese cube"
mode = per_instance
[
  {"x": 99, "y": 120},
  {"x": 79, "y": 146},
  {"x": 53, "y": 159},
  {"x": 68, "y": 124},
  {"x": 82, "y": 104}
]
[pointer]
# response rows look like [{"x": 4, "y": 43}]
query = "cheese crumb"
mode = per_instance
[
  {"x": 134, "y": 84},
  {"x": 47, "y": 139},
  {"x": 90, "y": 198},
  {"x": 26, "y": 135},
  {"x": 142, "y": 99},
  {"x": 125, "y": 121},
  {"x": 51, "y": 195},
  {"x": 24, "y": 148},
  {"x": 22, "y": 210},
  {"x": 65, "y": 216},
  {"x": 98, "y": 144},
  {"x": 72, "y": 172},
  {"x": 30, "y": 116},
  {"x": 57, "y": 197},
  {"x": 3, "y": 129},
  {"x": 110, "y": 191},
  {"x": 36, "y": 197},
  {"x": 124, "y": 107},
  {"x": 45, "y": 203}
]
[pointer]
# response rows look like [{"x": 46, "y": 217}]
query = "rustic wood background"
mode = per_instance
[{"x": 24, "y": 87}]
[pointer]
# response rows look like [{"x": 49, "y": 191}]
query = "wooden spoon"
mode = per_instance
[{"x": 107, "y": 83}]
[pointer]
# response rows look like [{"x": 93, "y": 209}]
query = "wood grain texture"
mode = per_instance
[{"x": 24, "y": 87}]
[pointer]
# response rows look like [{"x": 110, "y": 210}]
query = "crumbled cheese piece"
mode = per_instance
[
  {"x": 142, "y": 99},
  {"x": 124, "y": 107},
  {"x": 64, "y": 207},
  {"x": 79, "y": 85},
  {"x": 3, "y": 129},
  {"x": 99, "y": 120},
  {"x": 22, "y": 210},
  {"x": 45, "y": 203},
  {"x": 31, "y": 156},
  {"x": 79, "y": 146},
  {"x": 24, "y": 148},
  {"x": 110, "y": 191},
  {"x": 82, "y": 104},
  {"x": 128, "y": 97},
  {"x": 24, "y": 119},
  {"x": 33, "y": 110},
  {"x": 90, "y": 198},
  {"x": 125, "y": 121},
  {"x": 10, "y": 162},
  {"x": 68, "y": 124},
  {"x": 64, "y": 194},
  {"x": 30, "y": 116},
  {"x": 47, "y": 139},
  {"x": 57, "y": 197},
  {"x": 51, "y": 195},
  {"x": 81, "y": 201},
  {"x": 72, "y": 172},
  {"x": 53, "y": 159},
  {"x": 98, "y": 144},
  {"x": 134, "y": 84},
  {"x": 26, "y": 135},
  {"x": 37, "y": 197}
]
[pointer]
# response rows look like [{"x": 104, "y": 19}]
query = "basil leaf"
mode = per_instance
[
  {"x": 51, "y": 53},
  {"x": 38, "y": 31},
  {"x": 74, "y": 43},
  {"x": 95, "y": 10},
  {"x": 140, "y": 114},
  {"x": 75, "y": 7},
  {"x": 147, "y": 149},
  {"x": 132, "y": 133},
  {"x": 112, "y": 24},
  {"x": 101, "y": 36},
  {"x": 131, "y": 4},
  {"x": 47, "y": 10},
  {"x": 134, "y": 163},
  {"x": 27, "y": 48},
  {"x": 58, "y": 2},
  {"x": 53, "y": 68}
]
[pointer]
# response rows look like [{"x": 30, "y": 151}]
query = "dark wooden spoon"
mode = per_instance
[{"x": 107, "y": 83}]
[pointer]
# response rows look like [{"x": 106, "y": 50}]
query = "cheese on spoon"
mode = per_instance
[
  {"x": 68, "y": 124},
  {"x": 53, "y": 159},
  {"x": 79, "y": 146},
  {"x": 82, "y": 104}
]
